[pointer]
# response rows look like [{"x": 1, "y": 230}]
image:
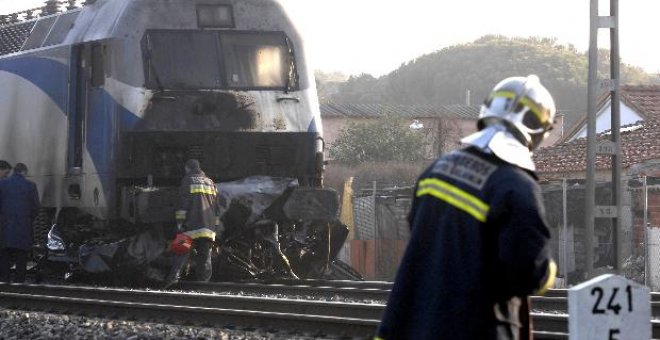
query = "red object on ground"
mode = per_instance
[{"x": 181, "y": 244}]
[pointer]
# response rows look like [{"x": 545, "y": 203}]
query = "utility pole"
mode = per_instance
[{"x": 612, "y": 147}]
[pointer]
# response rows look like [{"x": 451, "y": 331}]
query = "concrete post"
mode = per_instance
[
  {"x": 590, "y": 193},
  {"x": 609, "y": 307}
]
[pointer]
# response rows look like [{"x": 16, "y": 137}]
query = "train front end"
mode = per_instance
[{"x": 224, "y": 82}]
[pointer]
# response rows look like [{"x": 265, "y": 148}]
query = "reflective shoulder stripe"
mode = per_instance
[
  {"x": 549, "y": 278},
  {"x": 202, "y": 189},
  {"x": 454, "y": 196}
]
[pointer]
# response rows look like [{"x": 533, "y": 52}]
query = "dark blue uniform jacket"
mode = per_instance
[
  {"x": 478, "y": 247},
  {"x": 19, "y": 204}
]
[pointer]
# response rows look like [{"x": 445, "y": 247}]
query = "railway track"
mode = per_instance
[
  {"x": 303, "y": 317},
  {"x": 549, "y": 317},
  {"x": 555, "y": 300},
  {"x": 201, "y": 307}
]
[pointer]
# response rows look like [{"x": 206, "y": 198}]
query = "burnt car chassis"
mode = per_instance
[{"x": 272, "y": 229}]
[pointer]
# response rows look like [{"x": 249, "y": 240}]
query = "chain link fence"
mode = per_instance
[{"x": 381, "y": 229}]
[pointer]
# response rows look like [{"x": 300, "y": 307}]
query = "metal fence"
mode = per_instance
[
  {"x": 564, "y": 203},
  {"x": 381, "y": 229}
]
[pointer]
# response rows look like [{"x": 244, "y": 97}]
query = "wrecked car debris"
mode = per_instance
[{"x": 272, "y": 229}]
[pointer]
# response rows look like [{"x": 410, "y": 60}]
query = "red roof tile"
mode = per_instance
[
  {"x": 644, "y": 99},
  {"x": 640, "y": 142}
]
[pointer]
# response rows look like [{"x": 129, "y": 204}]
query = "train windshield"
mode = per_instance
[{"x": 220, "y": 59}]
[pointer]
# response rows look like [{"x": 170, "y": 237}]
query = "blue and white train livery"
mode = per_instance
[{"x": 116, "y": 95}]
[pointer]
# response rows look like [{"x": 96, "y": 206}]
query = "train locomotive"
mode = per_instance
[{"x": 105, "y": 102}]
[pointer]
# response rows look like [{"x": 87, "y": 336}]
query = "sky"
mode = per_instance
[{"x": 376, "y": 36}]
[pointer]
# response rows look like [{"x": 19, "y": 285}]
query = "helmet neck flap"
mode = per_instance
[{"x": 499, "y": 140}]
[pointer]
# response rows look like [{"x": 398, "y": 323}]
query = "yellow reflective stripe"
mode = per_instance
[
  {"x": 378, "y": 338},
  {"x": 202, "y": 232},
  {"x": 503, "y": 94},
  {"x": 540, "y": 113},
  {"x": 454, "y": 196},
  {"x": 202, "y": 189},
  {"x": 550, "y": 278},
  {"x": 181, "y": 214},
  {"x": 434, "y": 182}
]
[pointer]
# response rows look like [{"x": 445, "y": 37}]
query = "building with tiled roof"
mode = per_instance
[
  {"x": 442, "y": 126},
  {"x": 640, "y": 144},
  {"x": 412, "y": 111},
  {"x": 640, "y": 150},
  {"x": 637, "y": 102}
]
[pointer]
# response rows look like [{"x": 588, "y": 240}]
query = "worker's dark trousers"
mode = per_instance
[
  {"x": 10, "y": 256},
  {"x": 200, "y": 263},
  {"x": 202, "y": 268}
]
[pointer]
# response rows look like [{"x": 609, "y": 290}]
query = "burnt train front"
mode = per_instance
[{"x": 225, "y": 83}]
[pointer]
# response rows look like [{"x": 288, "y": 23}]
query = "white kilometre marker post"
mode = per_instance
[{"x": 609, "y": 307}]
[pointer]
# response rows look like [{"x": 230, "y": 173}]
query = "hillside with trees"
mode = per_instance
[{"x": 444, "y": 77}]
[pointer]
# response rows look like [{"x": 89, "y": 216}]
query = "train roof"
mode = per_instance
[
  {"x": 19, "y": 31},
  {"x": 71, "y": 22}
]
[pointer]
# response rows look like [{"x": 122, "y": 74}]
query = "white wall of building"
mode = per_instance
[{"x": 604, "y": 120}]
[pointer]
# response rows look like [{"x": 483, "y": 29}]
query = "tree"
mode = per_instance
[
  {"x": 388, "y": 138},
  {"x": 443, "y": 77}
]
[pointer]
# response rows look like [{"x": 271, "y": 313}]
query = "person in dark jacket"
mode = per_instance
[
  {"x": 479, "y": 241},
  {"x": 198, "y": 217},
  {"x": 19, "y": 205},
  {"x": 5, "y": 169}
]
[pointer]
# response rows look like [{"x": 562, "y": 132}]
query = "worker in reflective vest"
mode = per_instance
[
  {"x": 197, "y": 217},
  {"x": 479, "y": 241}
]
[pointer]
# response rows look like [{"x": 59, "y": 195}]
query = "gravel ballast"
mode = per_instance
[{"x": 18, "y": 325}]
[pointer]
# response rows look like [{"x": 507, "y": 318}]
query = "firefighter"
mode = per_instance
[
  {"x": 198, "y": 219},
  {"x": 479, "y": 241},
  {"x": 19, "y": 205}
]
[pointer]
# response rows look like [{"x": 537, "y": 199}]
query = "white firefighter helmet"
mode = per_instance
[
  {"x": 523, "y": 103},
  {"x": 515, "y": 118}
]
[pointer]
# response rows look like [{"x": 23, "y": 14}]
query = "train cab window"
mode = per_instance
[
  {"x": 219, "y": 59},
  {"x": 183, "y": 60},
  {"x": 256, "y": 60}
]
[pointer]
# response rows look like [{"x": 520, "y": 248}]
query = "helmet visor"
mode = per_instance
[{"x": 536, "y": 118}]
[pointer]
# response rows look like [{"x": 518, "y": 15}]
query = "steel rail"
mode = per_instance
[
  {"x": 555, "y": 299},
  {"x": 295, "y": 288},
  {"x": 322, "y": 318},
  {"x": 383, "y": 285},
  {"x": 268, "y": 304}
]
